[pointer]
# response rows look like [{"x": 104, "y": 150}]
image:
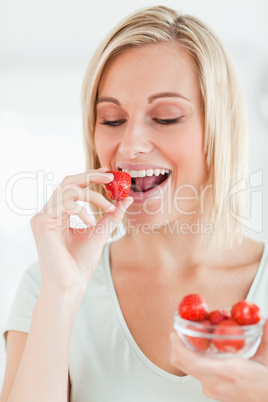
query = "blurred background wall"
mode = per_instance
[{"x": 44, "y": 50}]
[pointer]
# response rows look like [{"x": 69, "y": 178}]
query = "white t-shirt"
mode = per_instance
[{"x": 106, "y": 364}]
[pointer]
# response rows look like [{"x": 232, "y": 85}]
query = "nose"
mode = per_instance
[{"x": 135, "y": 141}]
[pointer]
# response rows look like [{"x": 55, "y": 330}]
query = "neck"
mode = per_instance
[{"x": 173, "y": 245}]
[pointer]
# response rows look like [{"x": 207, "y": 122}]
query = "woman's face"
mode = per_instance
[{"x": 150, "y": 122}]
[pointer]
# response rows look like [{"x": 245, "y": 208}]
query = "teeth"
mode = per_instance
[
  {"x": 141, "y": 173},
  {"x": 148, "y": 172},
  {"x": 133, "y": 173}
]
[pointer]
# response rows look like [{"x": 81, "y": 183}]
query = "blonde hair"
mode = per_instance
[{"x": 225, "y": 139}]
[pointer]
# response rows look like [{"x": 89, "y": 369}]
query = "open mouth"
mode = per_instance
[{"x": 145, "y": 180}]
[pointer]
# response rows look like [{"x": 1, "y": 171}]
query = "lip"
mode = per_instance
[
  {"x": 139, "y": 198},
  {"x": 139, "y": 166}
]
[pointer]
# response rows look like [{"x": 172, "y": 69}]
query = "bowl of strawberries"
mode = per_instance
[{"x": 218, "y": 333}]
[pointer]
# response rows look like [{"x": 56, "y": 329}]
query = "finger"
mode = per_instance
[
  {"x": 84, "y": 179},
  {"x": 192, "y": 363},
  {"x": 180, "y": 356},
  {"x": 100, "y": 201},
  {"x": 109, "y": 222},
  {"x": 103, "y": 169},
  {"x": 75, "y": 209},
  {"x": 72, "y": 193},
  {"x": 85, "y": 217},
  {"x": 262, "y": 352}
]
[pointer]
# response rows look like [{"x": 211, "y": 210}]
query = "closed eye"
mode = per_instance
[
  {"x": 116, "y": 123},
  {"x": 113, "y": 123},
  {"x": 167, "y": 121}
]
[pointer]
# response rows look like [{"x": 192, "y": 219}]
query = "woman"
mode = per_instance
[{"x": 160, "y": 101}]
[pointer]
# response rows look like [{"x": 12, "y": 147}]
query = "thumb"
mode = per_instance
[{"x": 261, "y": 355}]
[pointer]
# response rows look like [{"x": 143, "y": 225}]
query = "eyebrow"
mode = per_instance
[
  {"x": 166, "y": 95},
  {"x": 108, "y": 99},
  {"x": 150, "y": 99}
]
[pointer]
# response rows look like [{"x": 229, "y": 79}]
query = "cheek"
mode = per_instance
[
  {"x": 100, "y": 145},
  {"x": 188, "y": 154},
  {"x": 187, "y": 148},
  {"x": 104, "y": 148}
]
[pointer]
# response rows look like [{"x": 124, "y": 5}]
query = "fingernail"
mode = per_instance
[{"x": 106, "y": 174}]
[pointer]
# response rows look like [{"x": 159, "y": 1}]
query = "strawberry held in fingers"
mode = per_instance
[
  {"x": 246, "y": 313},
  {"x": 119, "y": 188},
  {"x": 193, "y": 307}
]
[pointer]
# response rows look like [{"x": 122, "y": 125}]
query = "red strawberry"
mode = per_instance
[
  {"x": 200, "y": 344},
  {"x": 118, "y": 189},
  {"x": 217, "y": 316},
  {"x": 246, "y": 313},
  {"x": 193, "y": 307},
  {"x": 230, "y": 328}
]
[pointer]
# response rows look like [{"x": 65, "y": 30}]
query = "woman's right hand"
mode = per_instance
[{"x": 68, "y": 257}]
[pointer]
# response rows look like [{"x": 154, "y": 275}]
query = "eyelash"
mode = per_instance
[
  {"x": 166, "y": 122},
  {"x": 112, "y": 123}
]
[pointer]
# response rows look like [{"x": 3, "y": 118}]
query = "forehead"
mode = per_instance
[{"x": 152, "y": 68}]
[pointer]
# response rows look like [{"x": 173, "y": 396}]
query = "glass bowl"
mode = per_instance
[{"x": 218, "y": 341}]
